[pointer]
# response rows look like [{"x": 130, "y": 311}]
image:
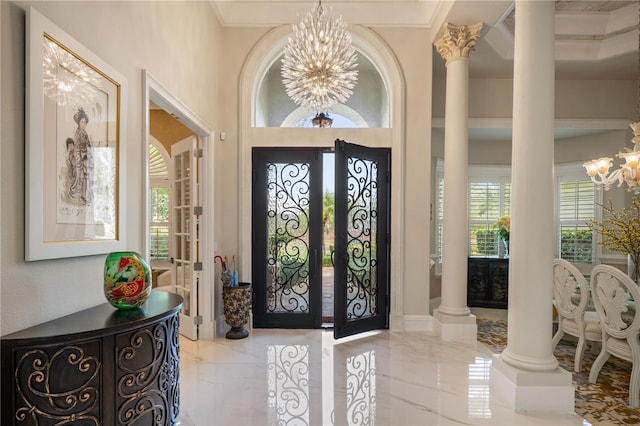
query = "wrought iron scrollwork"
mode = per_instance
[
  {"x": 362, "y": 211},
  {"x": 70, "y": 396},
  {"x": 148, "y": 370},
  {"x": 288, "y": 368},
  {"x": 361, "y": 389},
  {"x": 288, "y": 199}
]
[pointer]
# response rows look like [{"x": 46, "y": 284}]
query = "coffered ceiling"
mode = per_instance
[{"x": 594, "y": 39}]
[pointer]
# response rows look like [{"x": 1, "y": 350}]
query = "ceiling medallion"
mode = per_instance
[{"x": 319, "y": 64}]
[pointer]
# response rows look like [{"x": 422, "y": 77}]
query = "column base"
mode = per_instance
[
  {"x": 532, "y": 391},
  {"x": 455, "y": 328}
]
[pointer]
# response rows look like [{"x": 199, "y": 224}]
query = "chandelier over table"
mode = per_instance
[{"x": 628, "y": 173}]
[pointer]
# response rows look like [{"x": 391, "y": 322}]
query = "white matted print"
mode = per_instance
[{"x": 74, "y": 157}]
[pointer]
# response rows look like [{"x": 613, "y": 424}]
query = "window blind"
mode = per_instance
[
  {"x": 576, "y": 202},
  {"x": 159, "y": 225}
]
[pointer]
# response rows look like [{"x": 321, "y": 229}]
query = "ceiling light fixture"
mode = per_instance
[
  {"x": 629, "y": 172},
  {"x": 322, "y": 120},
  {"x": 319, "y": 64}
]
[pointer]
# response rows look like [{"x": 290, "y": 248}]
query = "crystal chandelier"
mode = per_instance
[
  {"x": 629, "y": 172},
  {"x": 66, "y": 79},
  {"x": 319, "y": 65}
]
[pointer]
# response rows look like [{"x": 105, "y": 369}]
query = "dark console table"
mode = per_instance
[
  {"x": 100, "y": 366},
  {"x": 488, "y": 282}
]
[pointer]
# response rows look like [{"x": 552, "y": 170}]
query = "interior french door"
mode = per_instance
[
  {"x": 287, "y": 232},
  {"x": 184, "y": 227},
  {"x": 362, "y": 193}
]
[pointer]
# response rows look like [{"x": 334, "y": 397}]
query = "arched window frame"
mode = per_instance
[{"x": 159, "y": 231}]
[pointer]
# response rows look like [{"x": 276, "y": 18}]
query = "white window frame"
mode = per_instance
[
  {"x": 562, "y": 173},
  {"x": 575, "y": 172},
  {"x": 437, "y": 219},
  {"x": 500, "y": 175},
  {"x": 160, "y": 182}
]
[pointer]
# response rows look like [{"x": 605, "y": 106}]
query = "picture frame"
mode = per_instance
[{"x": 74, "y": 147}]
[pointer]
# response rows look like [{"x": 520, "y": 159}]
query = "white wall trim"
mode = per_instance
[
  {"x": 415, "y": 323},
  {"x": 154, "y": 91}
]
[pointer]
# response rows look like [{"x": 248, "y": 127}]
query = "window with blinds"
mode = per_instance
[
  {"x": 439, "y": 210},
  {"x": 576, "y": 205},
  {"x": 159, "y": 222},
  {"x": 159, "y": 225},
  {"x": 489, "y": 199}
]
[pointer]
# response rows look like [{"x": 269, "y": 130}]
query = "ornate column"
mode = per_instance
[
  {"x": 453, "y": 319},
  {"x": 526, "y": 375}
]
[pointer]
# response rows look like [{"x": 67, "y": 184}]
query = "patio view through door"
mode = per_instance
[{"x": 295, "y": 238}]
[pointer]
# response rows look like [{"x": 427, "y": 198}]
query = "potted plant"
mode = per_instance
[
  {"x": 504, "y": 225},
  {"x": 620, "y": 231}
]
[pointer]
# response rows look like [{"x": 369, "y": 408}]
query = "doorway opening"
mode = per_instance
[
  {"x": 320, "y": 238},
  {"x": 189, "y": 207},
  {"x": 328, "y": 235}
]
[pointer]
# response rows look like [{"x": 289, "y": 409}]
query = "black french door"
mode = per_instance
[
  {"x": 286, "y": 267},
  {"x": 361, "y": 290},
  {"x": 287, "y": 230}
]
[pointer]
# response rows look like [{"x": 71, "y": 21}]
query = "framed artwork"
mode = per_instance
[{"x": 75, "y": 167}]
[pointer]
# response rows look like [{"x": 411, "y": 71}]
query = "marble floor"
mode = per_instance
[{"x": 304, "y": 377}]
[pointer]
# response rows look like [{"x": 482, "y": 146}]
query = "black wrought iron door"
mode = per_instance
[
  {"x": 361, "y": 289},
  {"x": 287, "y": 238}
]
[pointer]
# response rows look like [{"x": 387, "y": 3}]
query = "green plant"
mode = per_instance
[
  {"x": 292, "y": 272},
  {"x": 620, "y": 230},
  {"x": 576, "y": 245},
  {"x": 486, "y": 242},
  {"x": 504, "y": 227}
]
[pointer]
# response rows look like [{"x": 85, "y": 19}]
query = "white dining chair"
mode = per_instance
[
  {"x": 573, "y": 317},
  {"x": 613, "y": 291}
]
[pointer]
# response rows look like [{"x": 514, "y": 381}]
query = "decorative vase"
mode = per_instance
[
  {"x": 506, "y": 248},
  {"x": 127, "y": 279},
  {"x": 633, "y": 268},
  {"x": 236, "y": 303}
]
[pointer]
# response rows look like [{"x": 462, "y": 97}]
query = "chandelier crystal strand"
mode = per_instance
[
  {"x": 319, "y": 65},
  {"x": 629, "y": 172}
]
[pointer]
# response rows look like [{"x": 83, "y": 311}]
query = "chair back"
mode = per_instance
[
  {"x": 610, "y": 289},
  {"x": 567, "y": 282}
]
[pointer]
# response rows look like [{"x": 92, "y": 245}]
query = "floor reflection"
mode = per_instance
[
  {"x": 288, "y": 386},
  {"x": 306, "y": 378},
  {"x": 361, "y": 388},
  {"x": 288, "y": 382},
  {"x": 479, "y": 406}
]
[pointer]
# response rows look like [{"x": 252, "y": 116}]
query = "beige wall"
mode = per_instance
[
  {"x": 183, "y": 48},
  {"x": 412, "y": 51},
  {"x": 130, "y": 36}
]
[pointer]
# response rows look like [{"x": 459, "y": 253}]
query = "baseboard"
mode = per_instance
[
  {"x": 411, "y": 323},
  {"x": 434, "y": 303}
]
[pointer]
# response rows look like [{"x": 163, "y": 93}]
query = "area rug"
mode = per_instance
[{"x": 602, "y": 403}]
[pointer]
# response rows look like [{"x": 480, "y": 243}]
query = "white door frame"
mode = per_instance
[
  {"x": 153, "y": 91},
  {"x": 266, "y": 51}
]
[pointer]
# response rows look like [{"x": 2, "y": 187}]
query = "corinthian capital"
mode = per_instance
[{"x": 458, "y": 41}]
